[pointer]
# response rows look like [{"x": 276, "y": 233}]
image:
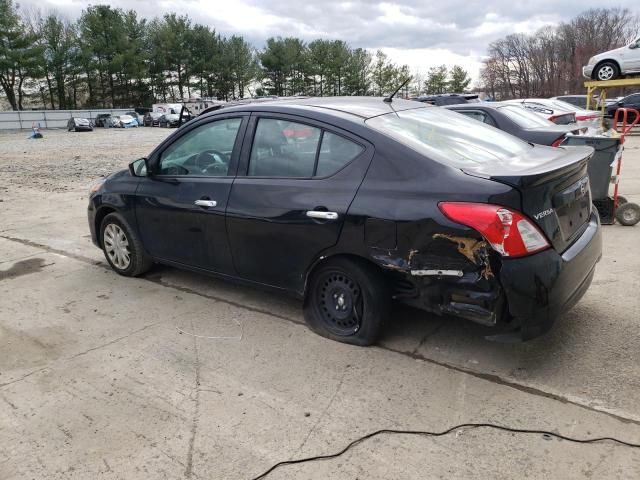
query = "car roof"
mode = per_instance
[{"x": 363, "y": 107}]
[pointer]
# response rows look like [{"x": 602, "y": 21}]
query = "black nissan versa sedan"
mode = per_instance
[{"x": 351, "y": 202}]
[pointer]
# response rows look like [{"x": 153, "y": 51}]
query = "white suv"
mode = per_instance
[{"x": 614, "y": 63}]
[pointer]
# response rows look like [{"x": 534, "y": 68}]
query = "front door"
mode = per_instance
[
  {"x": 180, "y": 207},
  {"x": 294, "y": 186},
  {"x": 631, "y": 57}
]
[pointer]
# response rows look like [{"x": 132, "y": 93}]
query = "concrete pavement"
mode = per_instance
[{"x": 107, "y": 377}]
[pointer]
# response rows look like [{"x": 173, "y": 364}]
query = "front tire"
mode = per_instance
[
  {"x": 347, "y": 301},
  {"x": 122, "y": 248},
  {"x": 606, "y": 71}
]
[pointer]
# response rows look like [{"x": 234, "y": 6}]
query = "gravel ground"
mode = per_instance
[{"x": 63, "y": 161}]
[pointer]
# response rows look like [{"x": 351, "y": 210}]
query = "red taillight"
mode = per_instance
[
  {"x": 553, "y": 118},
  {"x": 582, "y": 118},
  {"x": 558, "y": 142},
  {"x": 509, "y": 232}
]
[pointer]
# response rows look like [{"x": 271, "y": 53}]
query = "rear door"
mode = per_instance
[
  {"x": 288, "y": 203},
  {"x": 180, "y": 207}
]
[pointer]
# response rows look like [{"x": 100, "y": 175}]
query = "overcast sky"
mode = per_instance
[{"x": 419, "y": 33}]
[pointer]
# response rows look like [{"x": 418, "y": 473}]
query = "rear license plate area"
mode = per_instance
[{"x": 573, "y": 207}]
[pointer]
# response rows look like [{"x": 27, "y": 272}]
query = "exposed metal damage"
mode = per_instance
[
  {"x": 450, "y": 275},
  {"x": 477, "y": 251}
]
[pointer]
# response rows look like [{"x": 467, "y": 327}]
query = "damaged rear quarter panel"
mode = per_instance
[{"x": 428, "y": 243}]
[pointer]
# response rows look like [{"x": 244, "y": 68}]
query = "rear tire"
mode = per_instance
[
  {"x": 628, "y": 214},
  {"x": 606, "y": 71},
  {"x": 347, "y": 301},
  {"x": 122, "y": 248}
]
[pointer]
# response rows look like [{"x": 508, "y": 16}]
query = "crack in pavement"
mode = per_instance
[
  {"x": 19, "y": 379},
  {"x": 49, "y": 249},
  {"x": 428, "y": 335},
  {"x": 188, "y": 471},
  {"x": 324, "y": 412},
  {"x": 111, "y": 342},
  {"x": 216, "y": 298},
  {"x": 497, "y": 379}
]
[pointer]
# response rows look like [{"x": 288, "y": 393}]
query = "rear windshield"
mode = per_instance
[
  {"x": 524, "y": 118},
  {"x": 448, "y": 137}
]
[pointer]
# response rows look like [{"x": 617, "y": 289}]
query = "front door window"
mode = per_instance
[{"x": 204, "y": 151}]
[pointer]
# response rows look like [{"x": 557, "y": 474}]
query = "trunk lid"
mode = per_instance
[{"x": 553, "y": 186}]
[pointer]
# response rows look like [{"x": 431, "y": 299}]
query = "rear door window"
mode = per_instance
[{"x": 282, "y": 148}]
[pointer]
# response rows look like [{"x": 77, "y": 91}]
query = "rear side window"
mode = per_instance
[
  {"x": 282, "y": 148},
  {"x": 478, "y": 115},
  {"x": 523, "y": 117},
  {"x": 335, "y": 153}
]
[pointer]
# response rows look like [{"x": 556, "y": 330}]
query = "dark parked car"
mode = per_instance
[
  {"x": 79, "y": 125},
  {"x": 169, "y": 120},
  {"x": 440, "y": 100},
  {"x": 517, "y": 121},
  {"x": 630, "y": 101},
  {"x": 349, "y": 202},
  {"x": 103, "y": 120},
  {"x": 151, "y": 119}
]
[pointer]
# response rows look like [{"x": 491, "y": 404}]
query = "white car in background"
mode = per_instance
[
  {"x": 614, "y": 63},
  {"x": 559, "y": 112}
]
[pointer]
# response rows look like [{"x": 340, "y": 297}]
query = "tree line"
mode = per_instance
[
  {"x": 549, "y": 62},
  {"x": 110, "y": 57}
]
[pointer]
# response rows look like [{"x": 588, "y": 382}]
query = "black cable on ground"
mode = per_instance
[{"x": 440, "y": 434}]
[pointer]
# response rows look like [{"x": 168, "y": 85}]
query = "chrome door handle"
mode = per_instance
[
  {"x": 322, "y": 215},
  {"x": 206, "y": 203}
]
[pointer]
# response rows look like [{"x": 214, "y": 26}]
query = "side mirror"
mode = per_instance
[{"x": 139, "y": 167}]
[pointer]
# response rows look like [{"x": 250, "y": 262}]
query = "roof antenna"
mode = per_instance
[{"x": 389, "y": 99}]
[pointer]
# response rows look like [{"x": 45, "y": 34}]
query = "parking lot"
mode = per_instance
[{"x": 178, "y": 375}]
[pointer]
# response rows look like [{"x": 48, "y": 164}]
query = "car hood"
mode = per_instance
[{"x": 608, "y": 53}]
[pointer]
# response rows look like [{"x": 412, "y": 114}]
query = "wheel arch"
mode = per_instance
[
  {"x": 322, "y": 260},
  {"x": 102, "y": 212}
]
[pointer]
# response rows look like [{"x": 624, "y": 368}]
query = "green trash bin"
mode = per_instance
[{"x": 600, "y": 166}]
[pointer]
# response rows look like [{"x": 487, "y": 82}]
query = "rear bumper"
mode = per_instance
[
  {"x": 587, "y": 71},
  {"x": 542, "y": 287}
]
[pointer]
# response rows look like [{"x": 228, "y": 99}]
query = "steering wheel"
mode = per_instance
[{"x": 205, "y": 164}]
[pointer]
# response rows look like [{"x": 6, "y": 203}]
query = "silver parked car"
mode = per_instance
[{"x": 614, "y": 63}]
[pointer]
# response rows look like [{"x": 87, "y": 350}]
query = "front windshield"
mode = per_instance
[
  {"x": 524, "y": 118},
  {"x": 448, "y": 137}
]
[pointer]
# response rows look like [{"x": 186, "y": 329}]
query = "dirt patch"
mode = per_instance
[{"x": 63, "y": 161}]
